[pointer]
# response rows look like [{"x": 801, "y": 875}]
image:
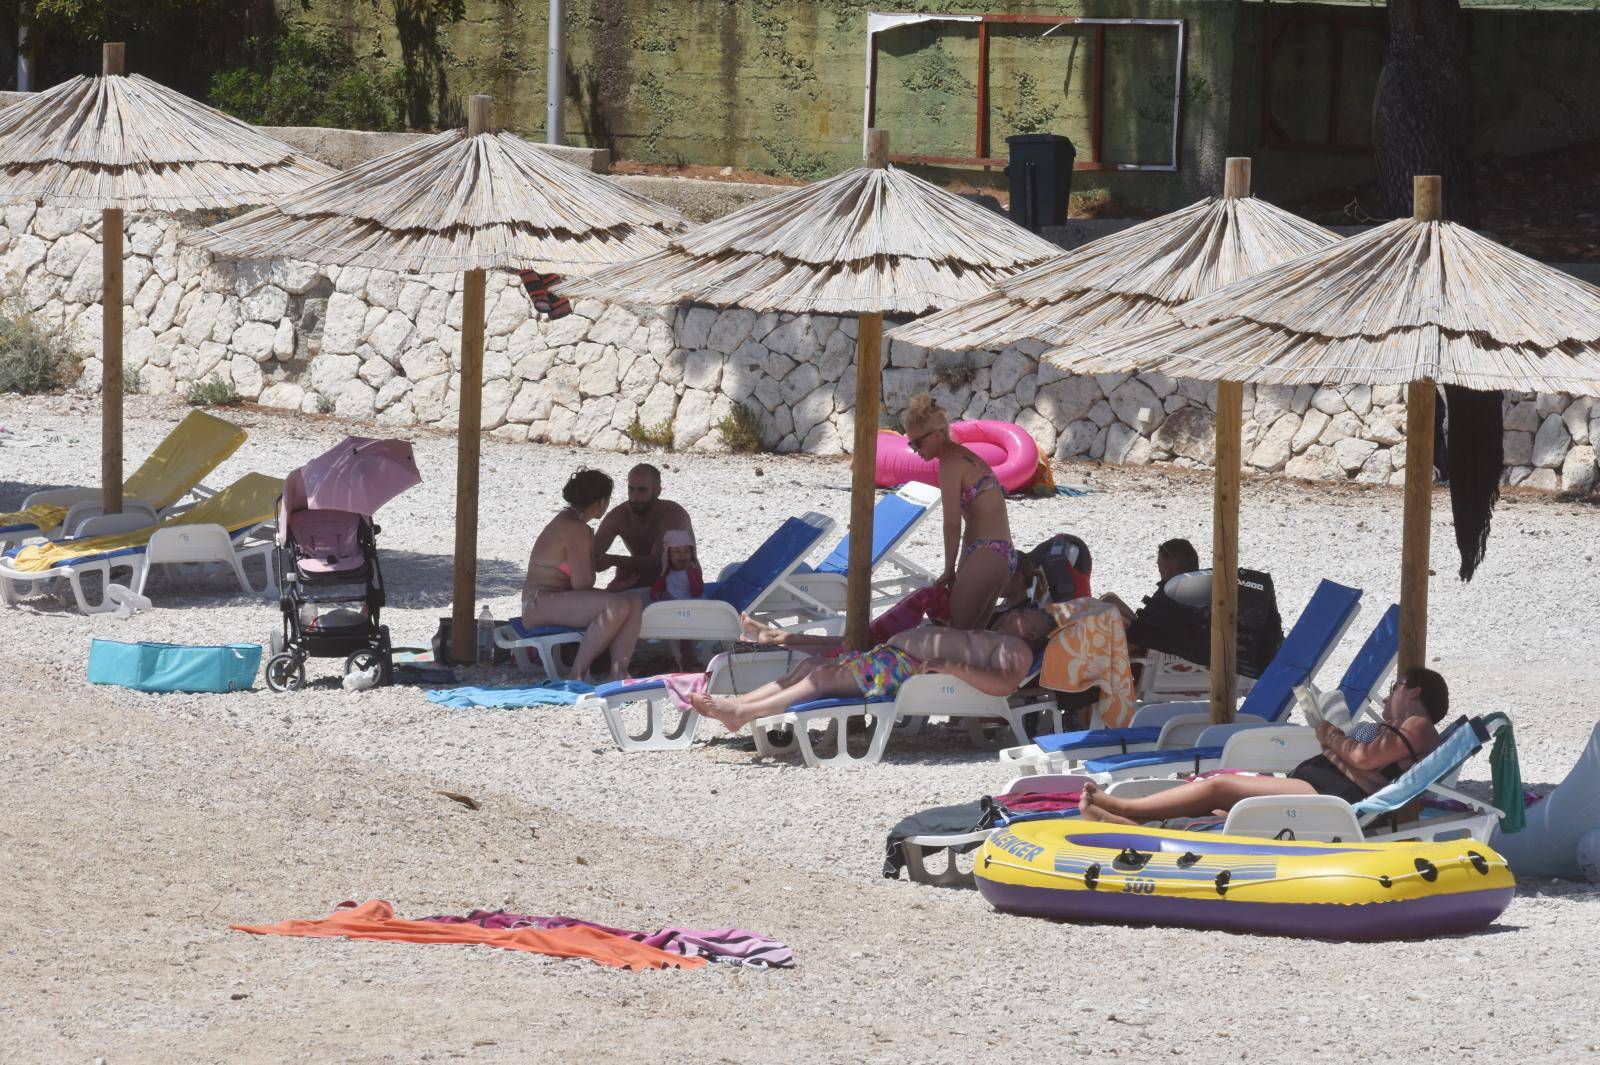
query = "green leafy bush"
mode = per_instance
[
  {"x": 213, "y": 392},
  {"x": 33, "y": 357},
  {"x": 651, "y": 435},
  {"x": 303, "y": 76},
  {"x": 740, "y": 429}
]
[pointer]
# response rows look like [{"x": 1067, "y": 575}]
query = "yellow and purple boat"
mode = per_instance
[{"x": 1078, "y": 870}]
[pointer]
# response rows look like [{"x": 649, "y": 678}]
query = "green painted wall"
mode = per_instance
[{"x": 778, "y": 85}]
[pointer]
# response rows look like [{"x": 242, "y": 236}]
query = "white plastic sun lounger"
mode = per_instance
[
  {"x": 229, "y": 529},
  {"x": 921, "y": 697},
  {"x": 158, "y": 489},
  {"x": 643, "y": 715}
]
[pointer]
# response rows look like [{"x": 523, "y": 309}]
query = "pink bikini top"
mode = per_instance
[{"x": 982, "y": 484}]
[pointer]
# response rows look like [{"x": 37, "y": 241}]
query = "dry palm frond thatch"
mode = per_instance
[
  {"x": 1407, "y": 301},
  {"x": 869, "y": 241},
  {"x": 451, "y": 203},
  {"x": 1130, "y": 278},
  {"x": 134, "y": 144}
]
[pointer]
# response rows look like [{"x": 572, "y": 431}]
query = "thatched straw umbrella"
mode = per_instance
[
  {"x": 472, "y": 201},
  {"x": 1130, "y": 278},
  {"x": 1417, "y": 301},
  {"x": 130, "y": 144},
  {"x": 1138, "y": 278},
  {"x": 870, "y": 242}
]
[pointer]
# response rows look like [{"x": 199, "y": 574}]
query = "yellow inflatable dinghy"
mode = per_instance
[{"x": 1091, "y": 871}]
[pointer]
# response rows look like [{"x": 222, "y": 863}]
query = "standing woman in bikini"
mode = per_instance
[
  {"x": 979, "y": 556},
  {"x": 560, "y": 586}
]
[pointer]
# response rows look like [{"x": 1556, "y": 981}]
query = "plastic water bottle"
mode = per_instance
[{"x": 485, "y": 635}]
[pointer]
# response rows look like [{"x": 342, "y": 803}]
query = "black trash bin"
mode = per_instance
[{"x": 1041, "y": 179}]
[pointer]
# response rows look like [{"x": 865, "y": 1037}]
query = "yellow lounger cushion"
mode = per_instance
[
  {"x": 248, "y": 501},
  {"x": 198, "y": 445}
]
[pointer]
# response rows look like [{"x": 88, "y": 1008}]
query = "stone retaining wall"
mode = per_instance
[{"x": 383, "y": 346}]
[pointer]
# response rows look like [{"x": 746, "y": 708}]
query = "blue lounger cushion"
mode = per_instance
[
  {"x": 615, "y": 688},
  {"x": 769, "y": 562},
  {"x": 1098, "y": 737},
  {"x": 1111, "y": 763},
  {"x": 534, "y": 632},
  {"x": 892, "y": 516}
]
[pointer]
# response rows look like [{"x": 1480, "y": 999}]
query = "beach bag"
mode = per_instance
[
  {"x": 174, "y": 667},
  {"x": 1066, "y": 565}
]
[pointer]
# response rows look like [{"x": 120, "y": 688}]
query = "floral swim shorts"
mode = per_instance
[{"x": 880, "y": 671}]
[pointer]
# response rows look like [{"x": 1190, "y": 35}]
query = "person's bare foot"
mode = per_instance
[
  {"x": 755, "y": 631},
  {"x": 1086, "y": 806},
  {"x": 1093, "y": 804}
]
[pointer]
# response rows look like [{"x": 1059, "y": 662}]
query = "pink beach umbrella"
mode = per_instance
[{"x": 359, "y": 475}]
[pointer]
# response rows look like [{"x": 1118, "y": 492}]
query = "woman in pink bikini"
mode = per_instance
[
  {"x": 979, "y": 556},
  {"x": 560, "y": 587}
]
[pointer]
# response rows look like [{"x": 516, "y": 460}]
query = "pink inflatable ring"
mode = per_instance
[{"x": 1006, "y": 446}]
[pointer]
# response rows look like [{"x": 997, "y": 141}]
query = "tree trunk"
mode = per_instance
[{"x": 1422, "y": 119}]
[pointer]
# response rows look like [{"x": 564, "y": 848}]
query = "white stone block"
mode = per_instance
[
  {"x": 1521, "y": 416},
  {"x": 284, "y": 394},
  {"x": 342, "y": 324},
  {"x": 703, "y": 369},
  {"x": 1328, "y": 401},
  {"x": 356, "y": 399},
  {"x": 1358, "y": 399},
  {"x": 694, "y": 329},
  {"x": 1352, "y": 453},
  {"x": 255, "y": 341},
  {"x": 391, "y": 337},
  {"x": 728, "y": 330},
  {"x": 1578, "y": 470},
  {"x": 693, "y": 418},
  {"x": 1551, "y": 443},
  {"x": 1274, "y": 449}
]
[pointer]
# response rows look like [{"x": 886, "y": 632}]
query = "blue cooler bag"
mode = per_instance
[{"x": 174, "y": 667}]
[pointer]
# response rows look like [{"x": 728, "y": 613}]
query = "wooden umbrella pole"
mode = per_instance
[
  {"x": 1225, "y": 513},
  {"x": 863, "y": 481},
  {"x": 864, "y": 467},
  {"x": 111, "y": 361},
  {"x": 1225, "y": 552},
  {"x": 111, "y": 64},
  {"x": 1427, "y": 206},
  {"x": 1420, "y": 400},
  {"x": 469, "y": 426}
]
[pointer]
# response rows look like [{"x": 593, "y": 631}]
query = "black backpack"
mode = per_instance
[
  {"x": 1164, "y": 624},
  {"x": 1055, "y": 559}
]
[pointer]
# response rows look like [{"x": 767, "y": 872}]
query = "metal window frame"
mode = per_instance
[
  {"x": 1275, "y": 25},
  {"x": 881, "y": 22}
]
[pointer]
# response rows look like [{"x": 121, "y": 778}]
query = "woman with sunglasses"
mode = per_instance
[
  {"x": 1350, "y": 766},
  {"x": 979, "y": 556}
]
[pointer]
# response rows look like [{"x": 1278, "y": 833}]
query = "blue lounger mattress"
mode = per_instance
[{"x": 1175, "y": 757}]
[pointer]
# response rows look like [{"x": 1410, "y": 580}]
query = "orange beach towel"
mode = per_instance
[
  {"x": 376, "y": 920},
  {"x": 1091, "y": 648}
]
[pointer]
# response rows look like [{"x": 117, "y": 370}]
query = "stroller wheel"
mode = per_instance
[
  {"x": 285, "y": 672},
  {"x": 360, "y": 661}
]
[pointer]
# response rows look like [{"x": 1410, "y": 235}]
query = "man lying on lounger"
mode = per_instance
[{"x": 994, "y": 661}]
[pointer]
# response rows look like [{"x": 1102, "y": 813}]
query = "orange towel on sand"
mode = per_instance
[
  {"x": 1091, "y": 648},
  {"x": 376, "y": 920}
]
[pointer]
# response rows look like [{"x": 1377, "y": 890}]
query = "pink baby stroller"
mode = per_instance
[{"x": 330, "y": 581}]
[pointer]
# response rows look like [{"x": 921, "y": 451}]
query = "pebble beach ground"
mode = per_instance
[{"x": 138, "y": 827}]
